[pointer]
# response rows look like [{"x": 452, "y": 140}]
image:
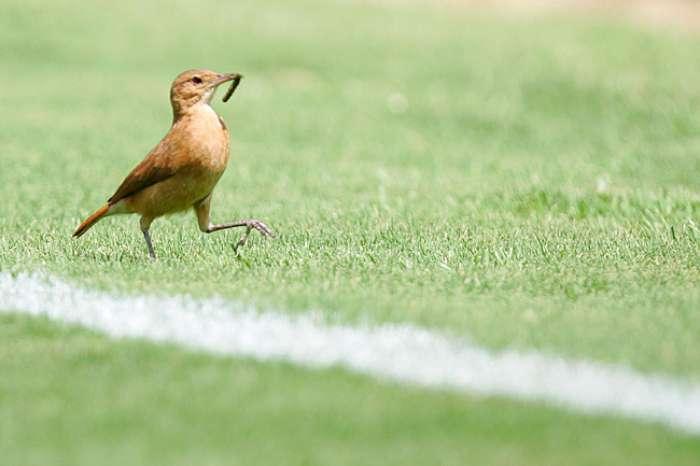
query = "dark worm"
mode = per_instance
[{"x": 234, "y": 85}]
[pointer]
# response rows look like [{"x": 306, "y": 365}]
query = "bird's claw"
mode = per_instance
[
  {"x": 260, "y": 227},
  {"x": 253, "y": 225}
]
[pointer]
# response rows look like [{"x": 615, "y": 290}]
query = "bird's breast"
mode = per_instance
[{"x": 207, "y": 140}]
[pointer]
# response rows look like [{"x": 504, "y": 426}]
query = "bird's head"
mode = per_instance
[{"x": 193, "y": 87}]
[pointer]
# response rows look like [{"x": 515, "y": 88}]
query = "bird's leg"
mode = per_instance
[
  {"x": 249, "y": 224},
  {"x": 147, "y": 237},
  {"x": 145, "y": 225},
  {"x": 202, "y": 210}
]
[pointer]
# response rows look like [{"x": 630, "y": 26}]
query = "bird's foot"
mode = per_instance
[
  {"x": 259, "y": 226},
  {"x": 250, "y": 226}
]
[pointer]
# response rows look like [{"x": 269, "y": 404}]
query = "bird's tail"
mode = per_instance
[{"x": 91, "y": 220}]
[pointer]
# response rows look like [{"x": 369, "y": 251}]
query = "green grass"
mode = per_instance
[
  {"x": 530, "y": 184},
  {"x": 90, "y": 401}
]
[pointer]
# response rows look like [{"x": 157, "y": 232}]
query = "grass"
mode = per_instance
[
  {"x": 87, "y": 402},
  {"x": 528, "y": 184}
]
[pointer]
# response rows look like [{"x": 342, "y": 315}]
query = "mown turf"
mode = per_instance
[
  {"x": 530, "y": 184},
  {"x": 69, "y": 397}
]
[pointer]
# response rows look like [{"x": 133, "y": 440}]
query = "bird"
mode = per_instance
[{"x": 181, "y": 171}]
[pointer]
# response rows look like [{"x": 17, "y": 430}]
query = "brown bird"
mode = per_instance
[{"x": 183, "y": 169}]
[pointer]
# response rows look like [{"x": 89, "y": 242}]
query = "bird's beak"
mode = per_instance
[{"x": 225, "y": 77}]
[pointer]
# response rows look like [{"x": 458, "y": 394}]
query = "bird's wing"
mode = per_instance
[{"x": 156, "y": 167}]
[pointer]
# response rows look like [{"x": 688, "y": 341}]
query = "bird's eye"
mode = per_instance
[{"x": 197, "y": 80}]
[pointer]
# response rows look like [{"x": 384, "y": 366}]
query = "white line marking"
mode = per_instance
[{"x": 397, "y": 352}]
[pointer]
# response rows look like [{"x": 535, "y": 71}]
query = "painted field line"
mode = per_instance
[{"x": 396, "y": 352}]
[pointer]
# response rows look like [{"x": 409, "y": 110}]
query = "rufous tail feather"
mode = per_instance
[{"x": 91, "y": 220}]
